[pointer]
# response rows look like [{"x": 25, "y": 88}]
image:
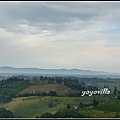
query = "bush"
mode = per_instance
[
  {"x": 67, "y": 113},
  {"x": 52, "y": 93},
  {"x": 46, "y": 115},
  {"x": 118, "y": 97},
  {"x": 5, "y": 113}
]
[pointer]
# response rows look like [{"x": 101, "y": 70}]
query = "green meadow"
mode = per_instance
[{"x": 30, "y": 107}]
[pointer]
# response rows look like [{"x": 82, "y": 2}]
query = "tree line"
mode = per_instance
[{"x": 10, "y": 87}]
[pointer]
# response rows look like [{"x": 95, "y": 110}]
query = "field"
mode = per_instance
[
  {"x": 30, "y": 107},
  {"x": 33, "y": 106},
  {"x": 111, "y": 106},
  {"x": 59, "y": 88},
  {"x": 98, "y": 114}
]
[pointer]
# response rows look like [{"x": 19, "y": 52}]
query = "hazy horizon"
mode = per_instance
[
  {"x": 58, "y": 69},
  {"x": 57, "y": 35}
]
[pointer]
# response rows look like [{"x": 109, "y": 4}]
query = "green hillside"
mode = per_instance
[
  {"x": 51, "y": 96},
  {"x": 30, "y": 107}
]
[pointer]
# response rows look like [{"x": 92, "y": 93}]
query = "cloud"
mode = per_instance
[{"x": 82, "y": 35}]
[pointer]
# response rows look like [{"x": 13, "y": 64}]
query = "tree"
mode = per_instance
[
  {"x": 81, "y": 105},
  {"x": 5, "y": 113},
  {"x": 117, "y": 115},
  {"x": 68, "y": 106},
  {"x": 115, "y": 90},
  {"x": 45, "y": 78},
  {"x": 118, "y": 97},
  {"x": 95, "y": 102},
  {"x": 52, "y": 93},
  {"x": 41, "y": 77}
]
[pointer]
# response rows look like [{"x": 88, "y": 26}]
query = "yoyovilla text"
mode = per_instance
[{"x": 90, "y": 93}]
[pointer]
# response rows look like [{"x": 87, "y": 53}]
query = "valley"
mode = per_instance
[{"x": 39, "y": 96}]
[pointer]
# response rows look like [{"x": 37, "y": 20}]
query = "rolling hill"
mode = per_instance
[{"x": 59, "y": 88}]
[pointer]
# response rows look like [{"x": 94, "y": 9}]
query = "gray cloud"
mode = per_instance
[
  {"x": 81, "y": 35},
  {"x": 40, "y": 13}
]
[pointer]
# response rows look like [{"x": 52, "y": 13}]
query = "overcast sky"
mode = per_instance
[{"x": 83, "y": 35}]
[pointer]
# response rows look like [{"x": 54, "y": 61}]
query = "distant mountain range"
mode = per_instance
[{"x": 12, "y": 70}]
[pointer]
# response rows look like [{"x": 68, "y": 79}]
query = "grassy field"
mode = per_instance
[
  {"x": 30, "y": 107},
  {"x": 112, "y": 106},
  {"x": 98, "y": 114}
]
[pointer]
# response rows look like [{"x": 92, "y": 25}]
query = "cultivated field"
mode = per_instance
[{"x": 59, "y": 88}]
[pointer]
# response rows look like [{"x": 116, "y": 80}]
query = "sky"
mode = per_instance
[{"x": 56, "y": 35}]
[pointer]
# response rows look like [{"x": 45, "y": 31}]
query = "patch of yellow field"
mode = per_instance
[{"x": 46, "y": 88}]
